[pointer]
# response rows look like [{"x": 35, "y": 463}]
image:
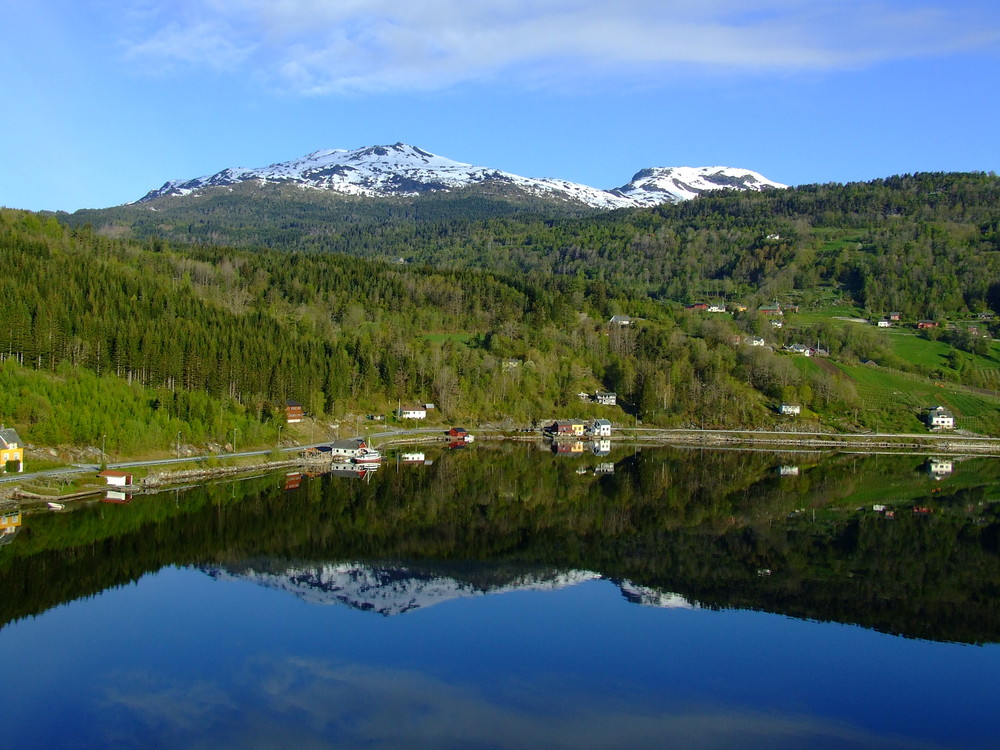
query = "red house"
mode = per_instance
[
  {"x": 293, "y": 412},
  {"x": 458, "y": 432},
  {"x": 926, "y": 324}
]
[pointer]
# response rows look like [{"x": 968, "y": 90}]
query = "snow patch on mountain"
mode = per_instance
[{"x": 401, "y": 170}]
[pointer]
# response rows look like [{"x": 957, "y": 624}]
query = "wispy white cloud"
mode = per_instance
[
  {"x": 303, "y": 703},
  {"x": 319, "y": 47}
]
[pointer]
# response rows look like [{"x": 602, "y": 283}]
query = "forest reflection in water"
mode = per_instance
[
  {"x": 510, "y": 596},
  {"x": 905, "y": 544}
]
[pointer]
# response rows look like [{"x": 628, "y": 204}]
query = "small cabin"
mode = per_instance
[
  {"x": 412, "y": 412},
  {"x": 116, "y": 478}
]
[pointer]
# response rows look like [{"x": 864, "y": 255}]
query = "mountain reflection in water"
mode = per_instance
[{"x": 390, "y": 589}]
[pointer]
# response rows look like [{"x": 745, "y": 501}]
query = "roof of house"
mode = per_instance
[
  {"x": 348, "y": 443},
  {"x": 602, "y": 422},
  {"x": 9, "y": 436}
]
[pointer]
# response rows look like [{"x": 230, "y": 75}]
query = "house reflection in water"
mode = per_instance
[
  {"x": 939, "y": 468},
  {"x": 788, "y": 471},
  {"x": 352, "y": 470},
  {"x": 292, "y": 480},
  {"x": 607, "y": 467},
  {"x": 568, "y": 447},
  {"x": 10, "y": 526},
  {"x": 600, "y": 447},
  {"x": 116, "y": 496}
]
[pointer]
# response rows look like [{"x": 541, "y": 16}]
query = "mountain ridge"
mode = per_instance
[{"x": 402, "y": 170}]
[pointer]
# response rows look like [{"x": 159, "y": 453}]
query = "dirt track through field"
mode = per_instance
[{"x": 830, "y": 368}]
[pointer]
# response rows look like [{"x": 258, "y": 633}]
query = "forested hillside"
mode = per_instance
[{"x": 508, "y": 318}]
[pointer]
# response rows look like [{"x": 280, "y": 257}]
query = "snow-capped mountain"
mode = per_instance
[
  {"x": 393, "y": 589},
  {"x": 651, "y": 187},
  {"x": 400, "y": 170}
]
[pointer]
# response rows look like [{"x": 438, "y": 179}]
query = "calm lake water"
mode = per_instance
[{"x": 511, "y": 598}]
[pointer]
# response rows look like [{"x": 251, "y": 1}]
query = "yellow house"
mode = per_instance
[
  {"x": 10, "y": 448},
  {"x": 10, "y": 524}
]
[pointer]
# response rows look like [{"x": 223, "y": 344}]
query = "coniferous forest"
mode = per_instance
[{"x": 201, "y": 318}]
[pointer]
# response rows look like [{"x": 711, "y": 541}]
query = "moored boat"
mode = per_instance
[{"x": 367, "y": 456}]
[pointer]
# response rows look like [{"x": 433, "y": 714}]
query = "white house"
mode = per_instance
[
  {"x": 799, "y": 349},
  {"x": 757, "y": 342},
  {"x": 884, "y": 323},
  {"x": 790, "y": 409},
  {"x": 607, "y": 398},
  {"x": 413, "y": 412},
  {"x": 621, "y": 320},
  {"x": 939, "y": 418},
  {"x": 348, "y": 448},
  {"x": 600, "y": 428},
  {"x": 776, "y": 324},
  {"x": 717, "y": 308}
]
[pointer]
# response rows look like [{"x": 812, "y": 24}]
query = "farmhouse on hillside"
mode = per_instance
[
  {"x": 607, "y": 398},
  {"x": 940, "y": 418}
]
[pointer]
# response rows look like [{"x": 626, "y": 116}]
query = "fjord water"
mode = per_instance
[{"x": 510, "y": 597}]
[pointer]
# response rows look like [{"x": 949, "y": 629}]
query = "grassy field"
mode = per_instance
[
  {"x": 898, "y": 399},
  {"x": 932, "y": 354}
]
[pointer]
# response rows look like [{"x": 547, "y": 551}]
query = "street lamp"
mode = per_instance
[
  {"x": 178, "y": 444},
  {"x": 279, "y": 436},
  {"x": 104, "y": 458},
  {"x": 235, "y": 430}
]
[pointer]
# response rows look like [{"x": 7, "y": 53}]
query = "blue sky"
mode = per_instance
[{"x": 107, "y": 99}]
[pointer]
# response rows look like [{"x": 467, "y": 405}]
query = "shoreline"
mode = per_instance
[{"x": 949, "y": 444}]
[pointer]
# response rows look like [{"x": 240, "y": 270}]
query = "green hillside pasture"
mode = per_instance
[
  {"x": 931, "y": 355},
  {"x": 895, "y": 401},
  {"x": 919, "y": 351}
]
